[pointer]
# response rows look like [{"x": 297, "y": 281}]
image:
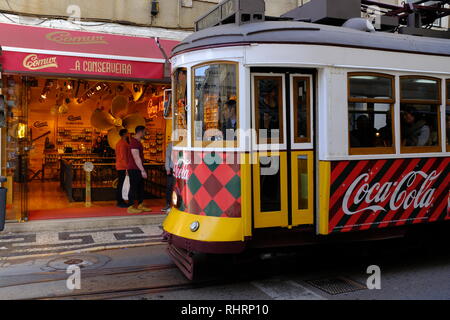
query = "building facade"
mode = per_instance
[{"x": 169, "y": 14}]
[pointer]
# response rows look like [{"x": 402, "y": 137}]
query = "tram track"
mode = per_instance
[
  {"x": 89, "y": 274},
  {"x": 132, "y": 273},
  {"x": 133, "y": 292},
  {"x": 151, "y": 280}
]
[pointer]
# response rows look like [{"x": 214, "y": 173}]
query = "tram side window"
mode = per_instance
[
  {"x": 420, "y": 104},
  {"x": 216, "y": 102},
  {"x": 447, "y": 116},
  {"x": 370, "y": 109},
  {"x": 179, "y": 107}
]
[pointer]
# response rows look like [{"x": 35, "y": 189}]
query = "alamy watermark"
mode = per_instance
[
  {"x": 374, "y": 280},
  {"x": 73, "y": 282},
  {"x": 228, "y": 145}
]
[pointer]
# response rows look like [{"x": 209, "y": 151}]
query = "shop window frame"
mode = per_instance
[
  {"x": 223, "y": 144},
  {"x": 437, "y": 104},
  {"x": 390, "y": 101},
  {"x": 174, "y": 106}
]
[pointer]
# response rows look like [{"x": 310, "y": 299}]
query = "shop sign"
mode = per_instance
[
  {"x": 25, "y": 62},
  {"x": 40, "y": 124},
  {"x": 64, "y": 37},
  {"x": 33, "y": 62},
  {"x": 74, "y": 118},
  {"x": 103, "y": 67}
]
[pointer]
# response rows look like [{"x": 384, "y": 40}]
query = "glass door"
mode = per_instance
[
  {"x": 282, "y": 150},
  {"x": 15, "y": 146}
]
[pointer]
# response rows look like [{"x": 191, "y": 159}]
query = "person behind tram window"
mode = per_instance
[
  {"x": 121, "y": 165},
  {"x": 230, "y": 120},
  {"x": 416, "y": 131},
  {"x": 384, "y": 134},
  {"x": 364, "y": 135},
  {"x": 269, "y": 110},
  {"x": 137, "y": 173}
]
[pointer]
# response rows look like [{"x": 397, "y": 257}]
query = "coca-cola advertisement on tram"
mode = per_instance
[{"x": 383, "y": 193}]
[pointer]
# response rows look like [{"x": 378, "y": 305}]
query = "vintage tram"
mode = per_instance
[{"x": 288, "y": 133}]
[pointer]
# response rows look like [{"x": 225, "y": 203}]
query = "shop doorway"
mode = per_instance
[{"x": 56, "y": 125}]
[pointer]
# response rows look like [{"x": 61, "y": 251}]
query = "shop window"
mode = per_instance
[
  {"x": 419, "y": 108},
  {"x": 370, "y": 113},
  {"x": 179, "y": 105},
  {"x": 447, "y": 116},
  {"x": 216, "y": 105},
  {"x": 269, "y": 109}
]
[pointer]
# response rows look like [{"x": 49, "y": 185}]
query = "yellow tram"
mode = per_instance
[{"x": 287, "y": 132}]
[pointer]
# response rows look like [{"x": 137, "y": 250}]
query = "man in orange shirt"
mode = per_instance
[{"x": 121, "y": 165}]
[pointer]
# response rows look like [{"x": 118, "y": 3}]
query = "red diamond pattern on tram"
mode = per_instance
[{"x": 213, "y": 189}]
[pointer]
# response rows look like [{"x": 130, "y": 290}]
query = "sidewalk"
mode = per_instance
[{"x": 40, "y": 238}]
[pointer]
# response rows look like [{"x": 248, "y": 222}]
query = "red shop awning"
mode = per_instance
[{"x": 28, "y": 49}]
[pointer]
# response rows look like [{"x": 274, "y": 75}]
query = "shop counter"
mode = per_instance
[{"x": 104, "y": 181}]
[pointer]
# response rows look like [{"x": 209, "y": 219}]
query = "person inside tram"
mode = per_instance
[
  {"x": 268, "y": 110},
  {"x": 384, "y": 134},
  {"x": 416, "y": 131},
  {"x": 364, "y": 135},
  {"x": 230, "y": 120}
]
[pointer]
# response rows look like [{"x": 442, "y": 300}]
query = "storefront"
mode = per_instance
[{"x": 67, "y": 94}]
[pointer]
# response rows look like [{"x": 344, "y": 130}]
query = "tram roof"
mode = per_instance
[{"x": 293, "y": 32}]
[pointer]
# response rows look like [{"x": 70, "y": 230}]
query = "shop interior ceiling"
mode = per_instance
[{"x": 111, "y": 106}]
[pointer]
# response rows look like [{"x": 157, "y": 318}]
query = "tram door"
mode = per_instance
[{"x": 282, "y": 164}]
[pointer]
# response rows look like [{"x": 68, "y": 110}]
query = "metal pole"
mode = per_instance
[
  {"x": 88, "y": 189},
  {"x": 88, "y": 168}
]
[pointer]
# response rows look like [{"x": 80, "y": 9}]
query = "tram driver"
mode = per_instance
[{"x": 229, "y": 125}]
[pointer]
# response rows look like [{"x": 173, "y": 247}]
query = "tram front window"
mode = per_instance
[
  {"x": 370, "y": 110},
  {"x": 420, "y": 100},
  {"x": 215, "y": 102},
  {"x": 179, "y": 108}
]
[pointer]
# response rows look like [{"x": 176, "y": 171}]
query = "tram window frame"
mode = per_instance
[
  {"x": 389, "y": 101},
  {"x": 294, "y": 83},
  {"x": 281, "y": 103},
  {"x": 175, "y": 99},
  {"x": 437, "y": 105},
  {"x": 447, "y": 114},
  {"x": 222, "y": 143}
]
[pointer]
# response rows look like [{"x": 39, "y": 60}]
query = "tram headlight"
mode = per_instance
[{"x": 175, "y": 199}]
